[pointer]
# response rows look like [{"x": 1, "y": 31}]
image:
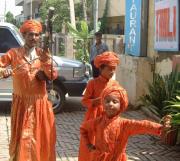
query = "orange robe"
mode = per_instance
[
  {"x": 33, "y": 134},
  {"x": 93, "y": 90},
  {"x": 112, "y": 136}
]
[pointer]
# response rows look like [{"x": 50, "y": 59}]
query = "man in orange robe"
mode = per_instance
[
  {"x": 33, "y": 134},
  {"x": 111, "y": 131},
  {"x": 106, "y": 63}
]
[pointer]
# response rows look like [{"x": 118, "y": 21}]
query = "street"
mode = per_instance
[{"x": 140, "y": 148}]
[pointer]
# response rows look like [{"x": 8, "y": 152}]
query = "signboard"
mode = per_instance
[
  {"x": 166, "y": 25},
  {"x": 136, "y": 27}
]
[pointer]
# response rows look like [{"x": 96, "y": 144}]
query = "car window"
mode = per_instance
[
  {"x": 7, "y": 40},
  {"x": 17, "y": 33}
]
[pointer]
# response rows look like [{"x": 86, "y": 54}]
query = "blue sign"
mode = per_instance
[{"x": 133, "y": 27}]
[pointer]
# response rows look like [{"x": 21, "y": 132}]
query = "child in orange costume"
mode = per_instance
[
  {"x": 111, "y": 131},
  {"x": 106, "y": 63}
]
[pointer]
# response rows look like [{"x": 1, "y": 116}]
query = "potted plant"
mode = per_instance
[
  {"x": 171, "y": 137},
  {"x": 173, "y": 108}
]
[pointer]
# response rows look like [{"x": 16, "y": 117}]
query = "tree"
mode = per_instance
[
  {"x": 104, "y": 20},
  {"x": 95, "y": 16},
  {"x": 82, "y": 37},
  {"x": 62, "y": 14},
  {"x": 62, "y": 11},
  {"x": 72, "y": 13},
  {"x": 10, "y": 18},
  {"x": 84, "y": 6}
]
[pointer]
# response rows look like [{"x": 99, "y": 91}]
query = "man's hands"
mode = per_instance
[
  {"x": 91, "y": 147},
  {"x": 5, "y": 73},
  {"x": 40, "y": 75},
  {"x": 45, "y": 55},
  {"x": 96, "y": 101}
]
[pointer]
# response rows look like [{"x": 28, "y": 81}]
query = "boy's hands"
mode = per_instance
[
  {"x": 96, "y": 102},
  {"x": 166, "y": 122},
  {"x": 166, "y": 126},
  {"x": 91, "y": 147}
]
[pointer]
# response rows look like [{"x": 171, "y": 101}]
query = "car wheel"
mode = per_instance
[{"x": 57, "y": 98}]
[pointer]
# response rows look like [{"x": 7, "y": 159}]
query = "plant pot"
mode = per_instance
[{"x": 170, "y": 137}]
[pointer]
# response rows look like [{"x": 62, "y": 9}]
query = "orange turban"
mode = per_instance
[
  {"x": 117, "y": 91},
  {"x": 106, "y": 58},
  {"x": 31, "y": 25}
]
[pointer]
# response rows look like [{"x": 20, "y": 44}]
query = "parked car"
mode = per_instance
[{"x": 72, "y": 78}]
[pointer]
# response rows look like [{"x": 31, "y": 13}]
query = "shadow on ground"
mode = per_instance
[{"x": 72, "y": 104}]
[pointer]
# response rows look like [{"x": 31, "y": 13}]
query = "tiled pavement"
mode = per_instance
[{"x": 140, "y": 148}]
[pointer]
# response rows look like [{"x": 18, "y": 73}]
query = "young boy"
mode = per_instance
[
  {"x": 111, "y": 131},
  {"x": 106, "y": 63}
]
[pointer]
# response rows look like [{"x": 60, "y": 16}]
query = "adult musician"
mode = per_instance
[{"x": 33, "y": 133}]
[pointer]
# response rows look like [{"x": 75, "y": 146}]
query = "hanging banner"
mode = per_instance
[
  {"x": 166, "y": 25},
  {"x": 136, "y": 27}
]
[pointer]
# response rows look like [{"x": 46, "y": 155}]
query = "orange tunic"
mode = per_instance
[
  {"x": 33, "y": 134},
  {"x": 112, "y": 136},
  {"x": 93, "y": 90}
]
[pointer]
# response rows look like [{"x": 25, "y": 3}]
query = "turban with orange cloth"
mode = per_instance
[
  {"x": 108, "y": 58},
  {"x": 116, "y": 90},
  {"x": 31, "y": 25}
]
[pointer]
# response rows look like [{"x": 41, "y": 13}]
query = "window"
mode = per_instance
[{"x": 7, "y": 40}]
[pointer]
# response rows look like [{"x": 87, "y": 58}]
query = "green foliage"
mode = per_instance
[
  {"x": 82, "y": 33},
  {"x": 82, "y": 37},
  {"x": 10, "y": 17},
  {"x": 176, "y": 119},
  {"x": 173, "y": 108},
  {"x": 78, "y": 10},
  {"x": 161, "y": 90},
  {"x": 104, "y": 18},
  {"x": 157, "y": 93},
  {"x": 173, "y": 105},
  {"x": 62, "y": 13}
]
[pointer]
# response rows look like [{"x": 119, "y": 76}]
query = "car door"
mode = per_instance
[{"x": 7, "y": 41}]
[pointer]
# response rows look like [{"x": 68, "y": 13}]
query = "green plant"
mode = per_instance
[
  {"x": 61, "y": 13},
  {"x": 82, "y": 37},
  {"x": 104, "y": 19},
  {"x": 161, "y": 90},
  {"x": 173, "y": 108},
  {"x": 156, "y": 95}
]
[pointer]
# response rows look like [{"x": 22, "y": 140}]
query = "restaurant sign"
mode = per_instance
[
  {"x": 136, "y": 27},
  {"x": 166, "y": 25}
]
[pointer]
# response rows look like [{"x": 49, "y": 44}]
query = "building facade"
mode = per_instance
[
  {"x": 161, "y": 41},
  {"x": 30, "y": 8},
  {"x": 115, "y": 15}
]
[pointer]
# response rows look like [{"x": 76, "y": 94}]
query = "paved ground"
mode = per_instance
[{"x": 140, "y": 148}]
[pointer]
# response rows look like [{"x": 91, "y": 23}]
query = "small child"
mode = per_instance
[
  {"x": 106, "y": 63},
  {"x": 111, "y": 131}
]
